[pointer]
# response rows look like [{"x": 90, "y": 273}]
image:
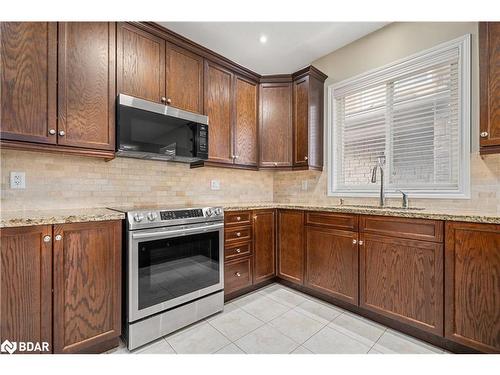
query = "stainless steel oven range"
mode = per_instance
[{"x": 174, "y": 272}]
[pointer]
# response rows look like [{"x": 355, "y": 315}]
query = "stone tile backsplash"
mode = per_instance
[{"x": 62, "y": 181}]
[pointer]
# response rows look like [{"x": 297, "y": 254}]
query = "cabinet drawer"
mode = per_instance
[
  {"x": 238, "y": 251},
  {"x": 237, "y": 218},
  {"x": 333, "y": 220},
  {"x": 237, "y": 275},
  {"x": 238, "y": 234},
  {"x": 417, "y": 229}
]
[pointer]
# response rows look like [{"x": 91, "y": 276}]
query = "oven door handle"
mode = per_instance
[{"x": 178, "y": 232}]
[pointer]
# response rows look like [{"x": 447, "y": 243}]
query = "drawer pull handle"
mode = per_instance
[
  {"x": 484, "y": 134},
  {"x": 238, "y": 250},
  {"x": 354, "y": 242},
  {"x": 360, "y": 243},
  {"x": 46, "y": 239},
  {"x": 237, "y": 274},
  {"x": 58, "y": 237},
  {"x": 238, "y": 234},
  {"x": 238, "y": 218}
]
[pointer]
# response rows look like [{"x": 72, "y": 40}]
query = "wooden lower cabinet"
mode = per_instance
[
  {"x": 61, "y": 284},
  {"x": 472, "y": 285},
  {"x": 26, "y": 284},
  {"x": 403, "y": 280},
  {"x": 264, "y": 222},
  {"x": 87, "y": 285},
  {"x": 332, "y": 262},
  {"x": 291, "y": 255}
]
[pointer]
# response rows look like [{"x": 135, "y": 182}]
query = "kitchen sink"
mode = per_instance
[{"x": 383, "y": 208}]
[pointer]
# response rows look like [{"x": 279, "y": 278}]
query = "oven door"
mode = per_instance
[{"x": 170, "y": 266}]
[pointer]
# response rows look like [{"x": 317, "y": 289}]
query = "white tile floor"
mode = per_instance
[{"x": 277, "y": 319}]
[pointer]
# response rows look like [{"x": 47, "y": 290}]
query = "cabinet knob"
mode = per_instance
[
  {"x": 238, "y": 218},
  {"x": 163, "y": 99},
  {"x": 305, "y": 158},
  {"x": 238, "y": 251},
  {"x": 484, "y": 134},
  {"x": 46, "y": 239},
  {"x": 275, "y": 164},
  {"x": 169, "y": 101},
  {"x": 237, "y": 274},
  {"x": 354, "y": 242},
  {"x": 62, "y": 133},
  {"x": 238, "y": 234},
  {"x": 361, "y": 243},
  {"x": 255, "y": 217},
  {"x": 58, "y": 237},
  {"x": 236, "y": 156},
  {"x": 52, "y": 131}
]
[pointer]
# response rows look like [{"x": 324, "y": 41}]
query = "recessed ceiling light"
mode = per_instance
[{"x": 263, "y": 39}]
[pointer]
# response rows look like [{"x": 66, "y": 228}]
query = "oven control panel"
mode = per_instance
[{"x": 143, "y": 219}]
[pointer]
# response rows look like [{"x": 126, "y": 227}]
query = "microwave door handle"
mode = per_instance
[{"x": 181, "y": 232}]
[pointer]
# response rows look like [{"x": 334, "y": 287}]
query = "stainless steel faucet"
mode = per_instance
[{"x": 380, "y": 165}]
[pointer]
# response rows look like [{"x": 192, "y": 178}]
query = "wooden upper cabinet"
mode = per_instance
[
  {"x": 28, "y": 86},
  {"x": 86, "y": 81},
  {"x": 87, "y": 285},
  {"x": 402, "y": 279},
  {"x": 291, "y": 254},
  {"x": 184, "y": 82},
  {"x": 300, "y": 121},
  {"x": 140, "y": 63},
  {"x": 275, "y": 132},
  {"x": 264, "y": 245},
  {"x": 332, "y": 262},
  {"x": 245, "y": 122},
  {"x": 472, "y": 285},
  {"x": 489, "y": 67},
  {"x": 308, "y": 118},
  {"x": 26, "y": 284},
  {"x": 219, "y": 109}
]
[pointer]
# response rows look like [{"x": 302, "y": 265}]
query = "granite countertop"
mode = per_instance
[
  {"x": 451, "y": 215},
  {"x": 21, "y": 218},
  {"x": 17, "y": 218}
]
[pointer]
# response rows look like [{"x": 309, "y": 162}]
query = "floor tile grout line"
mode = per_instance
[
  {"x": 375, "y": 343},
  {"x": 164, "y": 338},
  {"x": 234, "y": 341}
]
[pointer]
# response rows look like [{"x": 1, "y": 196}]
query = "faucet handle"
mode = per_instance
[{"x": 405, "y": 198}]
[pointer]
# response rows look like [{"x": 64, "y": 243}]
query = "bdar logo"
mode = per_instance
[{"x": 8, "y": 347}]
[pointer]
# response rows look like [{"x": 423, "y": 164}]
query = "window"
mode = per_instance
[{"x": 415, "y": 113}]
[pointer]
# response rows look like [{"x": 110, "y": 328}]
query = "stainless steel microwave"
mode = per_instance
[{"x": 149, "y": 130}]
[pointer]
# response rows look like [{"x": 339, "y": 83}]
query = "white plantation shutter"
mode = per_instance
[{"x": 415, "y": 114}]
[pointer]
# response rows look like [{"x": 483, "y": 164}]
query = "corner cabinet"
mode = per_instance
[
  {"x": 489, "y": 77},
  {"x": 308, "y": 118},
  {"x": 62, "y": 284},
  {"x": 291, "y": 254},
  {"x": 472, "y": 285}
]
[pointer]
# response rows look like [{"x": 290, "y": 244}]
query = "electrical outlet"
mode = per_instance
[
  {"x": 215, "y": 184},
  {"x": 17, "y": 180},
  {"x": 304, "y": 184}
]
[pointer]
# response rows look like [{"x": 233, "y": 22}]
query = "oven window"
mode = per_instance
[{"x": 173, "y": 267}]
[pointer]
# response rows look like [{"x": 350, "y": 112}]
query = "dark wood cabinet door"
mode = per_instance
[
  {"x": 245, "y": 122},
  {"x": 140, "y": 66},
  {"x": 237, "y": 275},
  {"x": 332, "y": 262},
  {"x": 472, "y": 285},
  {"x": 184, "y": 83},
  {"x": 26, "y": 284},
  {"x": 275, "y": 131},
  {"x": 264, "y": 245},
  {"x": 291, "y": 252},
  {"x": 403, "y": 280},
  {"x": 489, "y": 66},
  {"x": 86, "y": 84},
  {"x": 300, "y": 121},
  {"x": 28, "y": 69},
  {"x": 87, "y": 285},
  {"x": 218, "y": 98}
]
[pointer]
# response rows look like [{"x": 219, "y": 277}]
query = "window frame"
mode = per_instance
[{"x": 392, "y": 70}]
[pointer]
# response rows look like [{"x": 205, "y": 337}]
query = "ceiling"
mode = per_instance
[{"x": 289, "y": 47}]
